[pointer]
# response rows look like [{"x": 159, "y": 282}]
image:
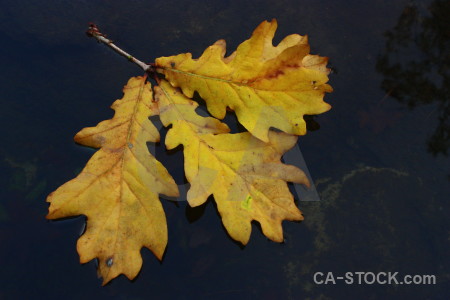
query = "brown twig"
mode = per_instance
[{"x": 93, "y": 31}]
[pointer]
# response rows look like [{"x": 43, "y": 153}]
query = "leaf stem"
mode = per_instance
[{"x": 93, "y": 31}]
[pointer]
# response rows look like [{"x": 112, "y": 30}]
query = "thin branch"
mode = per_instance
[{"x": 93, "y": 31}]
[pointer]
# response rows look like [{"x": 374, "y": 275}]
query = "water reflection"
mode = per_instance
[{"x": 416, "y": 65}]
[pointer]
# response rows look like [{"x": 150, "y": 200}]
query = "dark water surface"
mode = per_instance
[{"x": 379, "y": 160}]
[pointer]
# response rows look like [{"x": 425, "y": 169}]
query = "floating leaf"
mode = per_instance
[
  {"x": 266, "y": 86},
  {"x": 118, "y": 189},
  {"x": 244, "y": 174}
]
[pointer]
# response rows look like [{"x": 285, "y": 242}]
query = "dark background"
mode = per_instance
[{"x": 379, "y": 160}]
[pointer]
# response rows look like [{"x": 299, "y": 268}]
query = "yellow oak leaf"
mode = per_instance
[
  {"x": 266, "y": 86},
  {"x": 243, "y": 173},
  {"x": 118, "y": 189}
]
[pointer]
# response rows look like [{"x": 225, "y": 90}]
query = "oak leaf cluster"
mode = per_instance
[{"x": 118, "y": 190}]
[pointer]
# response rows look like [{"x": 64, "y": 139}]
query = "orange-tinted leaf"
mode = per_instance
[
  {"x": 118, "y": 189},
  {"x": 266, "y": 86}
]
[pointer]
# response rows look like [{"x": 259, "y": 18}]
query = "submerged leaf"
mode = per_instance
[
  {"x": 266, "y": 86},
  {"x": 118, "y": 189},
  {"x": 244, "y": 174}
]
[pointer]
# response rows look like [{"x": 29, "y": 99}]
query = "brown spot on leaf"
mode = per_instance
[{"x": 275, "y": 74}]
